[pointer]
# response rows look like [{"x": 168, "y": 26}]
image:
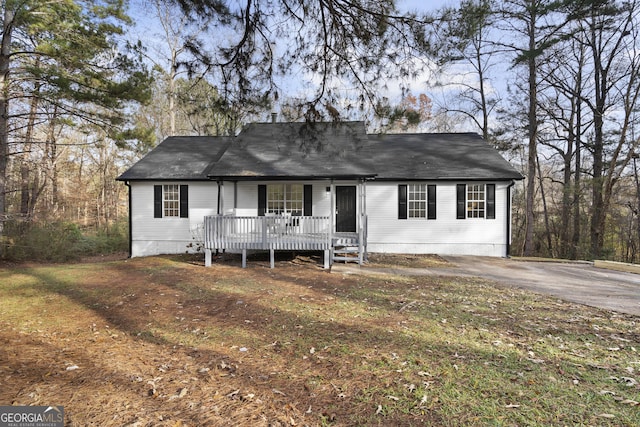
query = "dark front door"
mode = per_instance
[{"x": 346, "y": 209}]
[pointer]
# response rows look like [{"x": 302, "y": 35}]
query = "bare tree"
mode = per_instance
[
  {"x": 611, "y": 30},
  {"x": 468, "y": 41},
  {"x": 171, "y": 56},
  {"x": 561, "y": 106}
]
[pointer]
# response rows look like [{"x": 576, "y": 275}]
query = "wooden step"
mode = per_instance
[
  {"x": 349, "y": 250},
  {"x": 346, "y": 254},
  {"x": 346, "y": 258}
]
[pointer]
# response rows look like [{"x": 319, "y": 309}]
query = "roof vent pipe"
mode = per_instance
[{"x": 274, "y": 117}]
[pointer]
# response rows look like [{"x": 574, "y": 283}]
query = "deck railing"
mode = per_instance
[{"x": 277, "y": 232}]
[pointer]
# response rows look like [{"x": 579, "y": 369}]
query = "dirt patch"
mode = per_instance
[
  {"x": 410, "y": 261},
  {"x": 375, "y": 260}
]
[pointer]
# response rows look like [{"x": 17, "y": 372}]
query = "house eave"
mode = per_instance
[
  {"x": 448, "y": 178},
  {"x": 289, "y": 177},
  {"x": 177, "y": 178}
]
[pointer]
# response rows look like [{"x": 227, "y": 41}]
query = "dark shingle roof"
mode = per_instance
[
  {"x": 453, "y": 156},
  {"x": 323, "y": 150},
  {"x": 179, "y": 158},
  {"x": 296, "y": 150}
]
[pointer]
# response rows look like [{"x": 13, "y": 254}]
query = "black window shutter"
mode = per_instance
[
  {"x": 491, "y": 201},
  {"x": 461, "y": 212},
  {"x": 157, "y": 201},
  {"x": 308, "y": 200},
  {"x": 431, "y": 202},
  {"x": 184, "y": 201},
  {"x": 402, "y": 201},
  {"x": 262, "y": 200}
]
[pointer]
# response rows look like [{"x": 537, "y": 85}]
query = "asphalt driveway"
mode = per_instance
[
  {"x": 576, "y": 282},
  {"x": 571, "y": 281}
]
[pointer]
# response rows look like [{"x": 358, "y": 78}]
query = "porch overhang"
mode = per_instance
[{"x": 368, "y": 177}]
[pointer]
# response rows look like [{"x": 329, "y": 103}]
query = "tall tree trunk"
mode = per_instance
[
  {"x": 606, "y": 47},
  {"x": 545, "y": 212},
  {"x": 565, "y": 225},
  {"x": 571, "y": 178},
  {"x": 50, "y": 160},
  {"x": 565, "y": 222},
  {"x": 637, "y": 210},
  {"x": 533, "y": 138},
  {"x": 27, "y": 190},
  {"x": 597, "y": 203},
  {"x": 172, "y": 92},
  {"x": 575, "y": 237},
  {"x": 5, "y": 58},
  {"x": 483, "y": 96}
]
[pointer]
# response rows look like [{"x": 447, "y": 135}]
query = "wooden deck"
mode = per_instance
[{"x": 279, "y": 232}]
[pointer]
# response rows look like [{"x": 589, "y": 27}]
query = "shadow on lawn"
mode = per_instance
[
  {"x": 319, "y": 340},
  {"x": 280, "y": 357}
]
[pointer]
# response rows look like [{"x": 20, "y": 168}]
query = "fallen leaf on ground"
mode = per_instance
[{"x": 606, "y": 415}]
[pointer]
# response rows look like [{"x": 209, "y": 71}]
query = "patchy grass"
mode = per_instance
[
  {"x": 164, "y": 341},
  {"x": 406, "y": 260}
]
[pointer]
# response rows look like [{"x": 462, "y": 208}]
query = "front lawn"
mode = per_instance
[{"x": 165, "y": 341}]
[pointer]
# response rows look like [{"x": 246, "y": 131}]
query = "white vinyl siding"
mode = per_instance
[
  {"x": 386, "y": 233},
  {"x": 444, "y": 235},
  {"x": 153, "y": 236}
]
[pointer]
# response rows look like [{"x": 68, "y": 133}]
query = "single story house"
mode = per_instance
[{"x": 321, "y": 186}]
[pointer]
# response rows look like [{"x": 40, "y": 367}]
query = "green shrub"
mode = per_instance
[
  {"x": 60, "y": 241},
  {"x": 106, "y": 241}
]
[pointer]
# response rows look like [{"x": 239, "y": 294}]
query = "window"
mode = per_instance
[
  {"x": 476, "y": 201},
  {"x": 417, "y": 201},
  {"x": 285, "y": 199},
  {"x": 171, "y": 201}
]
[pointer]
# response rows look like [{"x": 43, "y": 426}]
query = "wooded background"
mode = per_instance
[{"x": 88, "y": 87}]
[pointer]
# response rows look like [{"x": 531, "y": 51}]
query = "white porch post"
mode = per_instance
[
  {"x": 365, "y": 220},
  {"x": 361, "y": 191},
  {"x": 221, "y": 196},
  {"x": 332, "y": 219},
  {"x": 364, "y": 197}
]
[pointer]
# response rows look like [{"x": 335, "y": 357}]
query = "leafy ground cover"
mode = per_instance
[{"x": 165, "y": 341}]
